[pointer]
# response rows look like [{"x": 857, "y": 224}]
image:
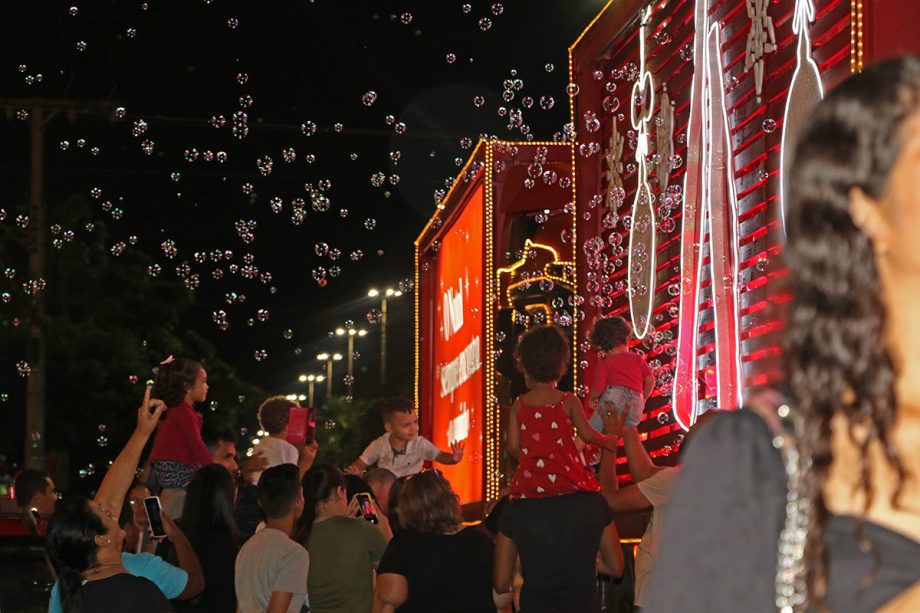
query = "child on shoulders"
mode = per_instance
[
  {"x": 401, "y": 449},
  {"x": 621, "y": 378},
  {"x": 542, "y": 422}
]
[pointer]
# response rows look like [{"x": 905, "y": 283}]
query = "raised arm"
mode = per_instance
[
  {"x": 186, "y": 559},
  {"x": 641, "y": 466},
  {"x": 120, "y": 475},
  {"x": 620, "y": 500},
  {"x": 585, "y": 431}
]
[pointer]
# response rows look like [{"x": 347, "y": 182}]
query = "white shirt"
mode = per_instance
[
  {"x": 400, "y": 463},
  {"x": 276, "y": 451},
  {"x": 657, "y": 489}
]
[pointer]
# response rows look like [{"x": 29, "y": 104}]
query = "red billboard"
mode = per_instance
[{"x": 457, "y": 412}]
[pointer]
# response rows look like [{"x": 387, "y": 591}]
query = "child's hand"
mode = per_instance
[
  {"x": 253, "y": 464},
  {"x": 457, "y": 450}
]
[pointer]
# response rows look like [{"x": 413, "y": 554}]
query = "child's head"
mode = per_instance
[
  {"x": 275, "y": 413},
  {"x": 400, "y": 419},
  {"x": 543, "y": 353},
  {"x": 180, "y": 379},
  {"x": 610, "y": 332}
]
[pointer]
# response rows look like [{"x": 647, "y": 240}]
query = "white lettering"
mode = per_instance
[
  {"x": 452, "y": 310},
  {"x": 459, "y": 427},
  {"x": 458, "y": 371}
]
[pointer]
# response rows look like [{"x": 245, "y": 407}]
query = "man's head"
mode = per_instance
[
  {"x": 381, "y": 481},
  {"x": 222, "y": 445},
  {"x": 280, "y": 492},
  {"x": 139, "y": 490},
  {"x": 275, "y": 413},
  {"x": 35, "y": 490},
  {"x": 400, "y": 418}
]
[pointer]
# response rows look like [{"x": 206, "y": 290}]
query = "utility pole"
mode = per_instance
[{"x": 41, "y": 112}]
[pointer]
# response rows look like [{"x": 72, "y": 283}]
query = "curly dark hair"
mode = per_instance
[
  {"x": 610, "y": 332},
  {"x": 397, "y": 404},
  {"x": 428, "y": 504},
  {"x": 275, "y": 413},
  {"x": 543, "y": 353},
  {"x": 837, "y": 360},
  {"x": 174, "y": 380}
]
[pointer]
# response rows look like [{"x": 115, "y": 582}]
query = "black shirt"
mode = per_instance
[
  {"x": 557, "y": 539},
  {"x": 123, "y": 593},
  {"x": 446, "y": 573},
  {"x": 720, "y": 547}
]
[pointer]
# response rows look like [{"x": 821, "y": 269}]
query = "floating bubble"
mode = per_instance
[
  {"x": 369, "y": 98},
  {"x": 23, "y": 368},
  {"x": 370, "y": 223},
  {"x": 102, "y": 440},
  {"x": 374, "y": 316},
  {"x": 769, "y": 125},
  {"x": 485, "y": 23},
  {"x": 260, "y": 355}
]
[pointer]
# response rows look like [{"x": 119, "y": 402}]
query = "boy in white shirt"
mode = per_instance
[
  {"x": 274, "y": 415},
  {"x": 400, "y": 449}
]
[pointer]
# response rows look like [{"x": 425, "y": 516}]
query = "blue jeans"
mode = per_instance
[{"x": 623, "y": 399}]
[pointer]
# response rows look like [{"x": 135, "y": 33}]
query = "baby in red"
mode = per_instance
[{"x": 541, "y": 427}]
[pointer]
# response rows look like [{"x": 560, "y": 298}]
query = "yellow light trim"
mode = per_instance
[
  {"x": 585, "y": 32},
  {"x": 418, "y": 347},
  {"x": 528, "y": 246},
  {"x": 482, "y": 142},
  {"x": 493, "y": 419}
]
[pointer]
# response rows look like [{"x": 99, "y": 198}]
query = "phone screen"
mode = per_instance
[
  {"x": 152, "y": 506},
  {"x": 367, "y": 509}
]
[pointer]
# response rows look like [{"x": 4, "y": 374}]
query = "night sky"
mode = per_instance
[{"x": 178, "y": 67}]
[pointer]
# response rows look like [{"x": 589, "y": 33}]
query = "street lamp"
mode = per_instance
[
  {"x": 387, "y": 293},
  {"x": 310, "y": 380},
  {"x": 351, "y": 333},
  {"x": 328, "y": 358}
]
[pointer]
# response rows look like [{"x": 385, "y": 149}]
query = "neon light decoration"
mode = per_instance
[
  {"x": 805, "y": 91},
  {"x": 642, "y": 244},
  {"x": 709, "y": 199}
]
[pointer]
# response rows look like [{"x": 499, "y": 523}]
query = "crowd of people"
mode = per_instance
[{"x": 807, "y": 499}]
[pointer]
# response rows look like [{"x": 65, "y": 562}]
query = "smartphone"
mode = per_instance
[
  {"x": 302, "y": 425},
  {"x": 154, "y": 516},
  {"x": 366, "y": 507}
]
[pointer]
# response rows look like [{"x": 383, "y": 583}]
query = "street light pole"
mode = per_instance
[
  {"x": 329, "y": 358},
  {"x": 388, "y": 293},
  {"x": 310, "y": 380}
]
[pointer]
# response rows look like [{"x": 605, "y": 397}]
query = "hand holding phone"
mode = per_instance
[
  {"x": 154, "y": 516},
  {"x": 366, "y": 507}
]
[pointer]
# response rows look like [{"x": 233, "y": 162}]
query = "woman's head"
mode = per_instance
[
  {"x": 78, "y": 534},
  {"x": 427, "y": 503},
  {"x": 851, "y": 216},
  {"x": 209, "y": 502},
  {"x": 323, "y": 489},
  {"x": 610, "y": 332},
  {"x": 178, "y": 380},
  {"x": 543, "y": 353}
]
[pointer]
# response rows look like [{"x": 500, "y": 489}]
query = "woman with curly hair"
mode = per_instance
[
  {"x": 813, "y": 502},
  {"x": 434, "y": 563},
  {"x": 179, "y": 450}
]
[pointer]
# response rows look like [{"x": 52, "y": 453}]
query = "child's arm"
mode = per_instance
[
  {"x": 368, "y": 457},
  {"x": 514, "y": 430},
  {"x": 593, "y": 397},
  {"x": 585, "y": 431},
  {"x": 453, "y": 456},
  {"x": 648, "y": 386},
  {"x": 356, "y": 468}
]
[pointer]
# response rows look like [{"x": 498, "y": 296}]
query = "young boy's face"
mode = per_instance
[{"x": 403, "y": 425}]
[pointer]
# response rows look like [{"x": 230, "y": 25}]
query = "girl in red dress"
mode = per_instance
[{"x": 541, "y": 427}]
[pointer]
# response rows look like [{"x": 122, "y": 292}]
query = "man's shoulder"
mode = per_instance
[{"x": 274, "y": 543}]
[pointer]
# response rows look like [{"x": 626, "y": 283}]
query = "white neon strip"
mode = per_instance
[
  {"x": 644, "y": 84},
  {"x": 685, "y": 390},
  {"x": 710, "y": 159},
  {"x": 806, "y": 69}
]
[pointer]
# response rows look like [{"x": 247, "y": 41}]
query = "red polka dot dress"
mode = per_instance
[{"x": 550, "y": 464}]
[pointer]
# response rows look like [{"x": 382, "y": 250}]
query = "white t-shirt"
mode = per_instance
[
  {"x": 400, "y": 463},
  {"x": 270, "y": 562},
  {"x": 276, "y": 451},
  {"x": 657, "y": 489}
]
